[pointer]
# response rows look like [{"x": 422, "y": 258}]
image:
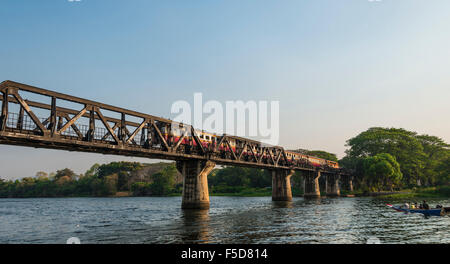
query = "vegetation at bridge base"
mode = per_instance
[
  {"x": 247, "y": 182},
  {"x": 238, "y": 181},
  {"x": 163, "y": 184},
  {"x": 136, "y": 179},
  {"x": 394, "y": 159}
]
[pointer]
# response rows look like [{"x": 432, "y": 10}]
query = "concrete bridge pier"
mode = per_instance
[
  {"x": 346, "y": 183},
  {"x": 332, "y": 184},
  {"x": 311, "y": 185},
  {"x": 281, "y": 185},
  {"x": 350, "y": 183},
  {"x": 195, "y": 183}
]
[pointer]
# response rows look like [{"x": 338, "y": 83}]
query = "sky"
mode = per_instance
[{"x": 337, "y": 67}]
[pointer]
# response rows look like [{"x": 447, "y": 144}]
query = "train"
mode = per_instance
[{"x": 210, "y": 141}]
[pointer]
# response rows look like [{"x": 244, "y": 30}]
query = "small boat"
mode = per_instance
[{"x": 427, "y": 212}]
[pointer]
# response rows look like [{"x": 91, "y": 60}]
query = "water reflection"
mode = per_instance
[
  {"x": 282, "y": 204},
  {"x": 195, "y": 226},
  {"x": 312, "y": 200}
]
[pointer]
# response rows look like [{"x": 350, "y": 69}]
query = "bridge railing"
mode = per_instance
[{"x": 36, "y": 117}]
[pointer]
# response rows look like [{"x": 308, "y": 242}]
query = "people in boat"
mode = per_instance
[
  {"x": 413, "y": 206},
  {"x": 425, "y": 205},
  {"x": 406, "y": 205}
]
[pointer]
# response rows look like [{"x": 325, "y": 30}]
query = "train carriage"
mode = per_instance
[
  {"x": 295, "y": 157},
  {"x": 210, "y": 141}
]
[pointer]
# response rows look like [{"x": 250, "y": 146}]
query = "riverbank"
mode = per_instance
[
  {"x": 243, "y": 192},
  {"x": 428, "y": 192},
  {"x": 251, "y": 192}
]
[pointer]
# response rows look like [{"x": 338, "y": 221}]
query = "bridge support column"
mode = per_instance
[
  {"x": 195, "y": 183},
  {"x": 350, "y": 183},
  {"x": 311, "y": 186},
  {"x": 281, "y": 185},
  {"x": 332, "y": 185},
  {"x": 4, "y": 113}
]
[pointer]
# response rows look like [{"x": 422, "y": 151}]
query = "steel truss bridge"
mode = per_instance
[
  {"x": 40, "y": 118},
  {"x": 124, "y": 132}
]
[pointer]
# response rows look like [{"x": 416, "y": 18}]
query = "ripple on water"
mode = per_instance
[{"x": 229, "y": 220}]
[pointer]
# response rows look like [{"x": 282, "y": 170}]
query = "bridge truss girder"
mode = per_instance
[{"x": 89, "y": 129}]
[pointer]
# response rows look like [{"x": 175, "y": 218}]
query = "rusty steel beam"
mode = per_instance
[
  {"x": 36, "y": 90},
  {"x": 105, "y": 123},
  {"x": 4, "y": 114},
  {"x": 30, "y": 113},
  {"x": 73, "y": 120},
  {"x": 180, "y": 140},
  {"x": 36, "y": 141},
  {"x": 66, "y": 110},
  {"x": 141, "y": 126}
]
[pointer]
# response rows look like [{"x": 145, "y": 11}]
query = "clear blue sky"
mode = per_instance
[{"x": 337, "y": 67}]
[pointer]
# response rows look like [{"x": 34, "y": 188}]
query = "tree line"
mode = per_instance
[
  {"x": 395, "y": 158},
  {"x": 379, "y": 158},
  {"x": 99, "y": 181},
  {"x": 122, "y": 177}
]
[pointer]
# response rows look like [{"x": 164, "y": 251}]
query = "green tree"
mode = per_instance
[
  {"x": 164, "y": 181},
  {"x": 383, "y": 171},
  {"x": 435, "y": 150},
  {"x": 123, "y": 180},
  {"x": 41, "y": 175},
  {"x": 401, "y": 144},
  {"x": 443, "y": 171},
  {"x": 116, "y": 167},
  {"x": 258, "y": 178},
  {"x": 141, "y": 188},
  {"x": 65, "y": 173},
  {"x": 231, "y": 176},
  {"x": 92, "y": 171},
  {"x": 110, "y": 183},
  {"x": 322, "y": 154}
]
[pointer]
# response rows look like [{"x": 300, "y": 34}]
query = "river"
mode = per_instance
[{"x": 230, "y": 220}]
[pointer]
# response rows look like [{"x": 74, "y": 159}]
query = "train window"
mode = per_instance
[{"x": 207, "y": 137}]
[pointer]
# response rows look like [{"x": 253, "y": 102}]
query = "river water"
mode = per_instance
[{"x": 230, "y": 220}]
